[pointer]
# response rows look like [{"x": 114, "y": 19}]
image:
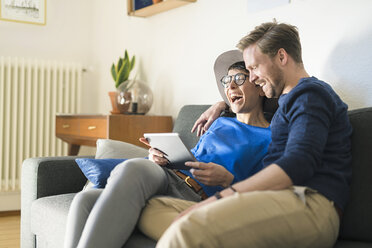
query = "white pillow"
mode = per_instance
[{"x": 107, "y": 148}]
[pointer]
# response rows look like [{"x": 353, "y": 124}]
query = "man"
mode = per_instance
[{"x": 298, "y": 198}]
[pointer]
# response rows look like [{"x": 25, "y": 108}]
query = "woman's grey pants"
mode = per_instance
[{"x": 107, "y": 217}]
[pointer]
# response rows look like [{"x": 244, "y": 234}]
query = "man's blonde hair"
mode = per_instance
[{"x": 271, "y": 36}]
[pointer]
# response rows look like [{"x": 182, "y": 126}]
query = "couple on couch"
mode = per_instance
[{"x": 244, "y": 193}]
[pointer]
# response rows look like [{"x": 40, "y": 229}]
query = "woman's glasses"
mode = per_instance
[{"x": 239, "y": 79}]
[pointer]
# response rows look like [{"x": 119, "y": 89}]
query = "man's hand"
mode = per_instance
[
  {"x": 211, "y": 174},
  {"x": 208, "y": 117},
  {"x": 270, "y": 178}
]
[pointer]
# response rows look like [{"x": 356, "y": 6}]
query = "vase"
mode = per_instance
[{"x": 134, "y": 97}]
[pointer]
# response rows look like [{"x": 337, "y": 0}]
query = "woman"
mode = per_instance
[{"x": 230, "y": 151}]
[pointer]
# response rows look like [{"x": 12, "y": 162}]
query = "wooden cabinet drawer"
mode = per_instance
[
  {"x": 67, "y": 126},
  {"x": 79, "y": 130},
  {"x": 93, "y": 127}
]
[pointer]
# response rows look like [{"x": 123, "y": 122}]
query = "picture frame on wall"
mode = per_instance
[
  {"x": 139, "y": 4},
  {"x": 24, "y": 11}
]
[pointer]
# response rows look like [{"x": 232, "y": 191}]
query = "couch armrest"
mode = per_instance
[{"x": 45, "y": 177}]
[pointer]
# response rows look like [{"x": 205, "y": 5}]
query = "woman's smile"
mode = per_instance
[{"x": 236, "y": 98}]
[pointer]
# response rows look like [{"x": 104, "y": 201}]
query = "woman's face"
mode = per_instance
[{"x": 243, "y": 98}]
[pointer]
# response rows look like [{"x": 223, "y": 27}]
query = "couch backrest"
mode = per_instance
[
  {"x": 357, "y": 219},
  {"x": 185, "y": 121}
]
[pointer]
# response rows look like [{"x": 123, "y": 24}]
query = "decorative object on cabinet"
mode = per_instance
[
  {"x": 157, "y": 7},
  {"x": 114, "y": 105},
  {"x": 31, "y": 11},
  {"x": 120, "y": 73},
  {"x": 140, "y": 100},
  {"x": 79, "y": 130}
]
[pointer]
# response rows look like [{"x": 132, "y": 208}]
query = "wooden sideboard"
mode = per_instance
[{"x": 79, "y": 130}]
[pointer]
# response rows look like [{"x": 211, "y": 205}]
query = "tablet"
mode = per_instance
[{"x": 173, "y": 148}]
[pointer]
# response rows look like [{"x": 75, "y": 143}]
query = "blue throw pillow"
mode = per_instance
[{"x": 97, "y": 170}]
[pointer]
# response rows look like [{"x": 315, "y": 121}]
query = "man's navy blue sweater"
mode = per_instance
[{"x": 311, "y": 139}]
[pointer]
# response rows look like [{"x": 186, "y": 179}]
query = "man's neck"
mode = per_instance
[{"x": 293, "y": 77}]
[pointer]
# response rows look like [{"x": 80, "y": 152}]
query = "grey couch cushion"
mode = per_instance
[
  {"x": 45, "y": 177},
  {"x": 48, "y": 222},
  {"x": 138, "y": 240},
  {"x": 48, "y": 218}
]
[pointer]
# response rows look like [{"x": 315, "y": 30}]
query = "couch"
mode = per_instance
[{"x": 50, "y": 183}]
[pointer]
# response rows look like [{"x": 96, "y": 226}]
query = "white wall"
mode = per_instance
[
  {"x": 66, "y": 37},
  {"x": 176, "y": 49}
]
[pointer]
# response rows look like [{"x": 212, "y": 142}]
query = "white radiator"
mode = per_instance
[{"x": 31, "y": 93}]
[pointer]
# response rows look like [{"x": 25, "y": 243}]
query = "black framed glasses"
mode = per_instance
[{"x": 238, "y": 78}]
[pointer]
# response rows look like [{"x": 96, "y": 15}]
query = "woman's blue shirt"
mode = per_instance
[{"x": 236, "y": 146}]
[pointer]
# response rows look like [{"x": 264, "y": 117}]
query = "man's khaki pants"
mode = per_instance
[{"x": 297, "y": 217}]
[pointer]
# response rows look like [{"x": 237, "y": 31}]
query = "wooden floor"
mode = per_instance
[{"x": 10, "y": 229}]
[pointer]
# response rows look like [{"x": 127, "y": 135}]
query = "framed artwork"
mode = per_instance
[
  {"x": 146, "y": 8},
  {"x": 139, "y": 4},
  {"x": 25, "y": 11}
]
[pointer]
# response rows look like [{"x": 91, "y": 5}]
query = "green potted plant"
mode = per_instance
[{"x": 120, "y": 71}]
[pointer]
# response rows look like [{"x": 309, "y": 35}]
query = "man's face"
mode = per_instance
[{"x": 264, "y": 71}]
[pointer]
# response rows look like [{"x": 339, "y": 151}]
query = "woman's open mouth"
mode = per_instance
[{"x": 235, "y": 98}]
